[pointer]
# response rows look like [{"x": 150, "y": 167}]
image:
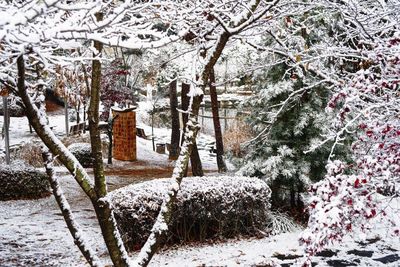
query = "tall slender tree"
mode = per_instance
[
  {"x": 175, "y": 134},
  {"x": 217, "y": 125}
]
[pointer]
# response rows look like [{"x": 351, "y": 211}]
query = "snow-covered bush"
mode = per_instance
[
  {"x": 19, "y": 181},
  {"x": 85, "y": 138},
  {"x": 83, "y": 153},
  {"x": 15, "y": 108},
  {"x": 206, "y": 207}
]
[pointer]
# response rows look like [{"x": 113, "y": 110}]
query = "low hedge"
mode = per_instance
[
  {"x": 83, "y": 153},
  {"x": 207, "y": 207},
  {"x": 22, "y": 182}
]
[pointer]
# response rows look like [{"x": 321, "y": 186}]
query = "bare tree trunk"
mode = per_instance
[
  {"x": 185, "y": 103},
  {"x": 152, "y": 128},
  {"x": 195, "y": 161},
  {"x": 30, "y": 127},
  {"x": 217, "y": 125},
  {"x": 110, "y": 128},
  {"x": 103, "y": 209},
  {"x": 173, "y": 100},
  {"x": 78, "y": 116},
  {"x": 87, "y": 93}
]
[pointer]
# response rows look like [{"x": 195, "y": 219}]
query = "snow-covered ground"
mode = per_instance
[
  {"x": 33, "y": 232},
  {"x": 19, "y": 129}
]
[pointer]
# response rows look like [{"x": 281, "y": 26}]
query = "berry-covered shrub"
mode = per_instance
[
  {"x": 22, "y": 182},
  {"x": 206, "y": 207},
  {"x": 83, "y": 153}
]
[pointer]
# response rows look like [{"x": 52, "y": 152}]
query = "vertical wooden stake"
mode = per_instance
[
  {"x": 6, "y": 129},
  {"x": 66, "y": 115}
]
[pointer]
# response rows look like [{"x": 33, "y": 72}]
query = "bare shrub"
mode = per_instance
[
  {"x": 30, "y": 153},
  {"x": 237, "y": 134}
]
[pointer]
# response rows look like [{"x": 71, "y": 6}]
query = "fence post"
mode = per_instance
[{"x": 4, "y": 93}]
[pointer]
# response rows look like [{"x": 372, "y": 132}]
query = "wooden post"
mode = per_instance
[
  {"x": 4, "y": 94},
  {"x": 66, "y": 115}
]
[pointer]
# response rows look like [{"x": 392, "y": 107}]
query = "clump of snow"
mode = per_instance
[
  {"x": 205, "y": 207},
  {"x": 78, "y": 147}
]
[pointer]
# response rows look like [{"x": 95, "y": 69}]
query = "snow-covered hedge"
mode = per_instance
[
  {"x": 206, "y": 207},
  {"x": 22, "y": 182},
  {"x": 83, "y": 153}
]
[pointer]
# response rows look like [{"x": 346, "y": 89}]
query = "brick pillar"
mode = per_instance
[{"x": 124, "y": 133}]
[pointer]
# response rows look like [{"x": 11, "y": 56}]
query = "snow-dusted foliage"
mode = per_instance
[
  {"x": 206, "y": 207},
  {"x": 279, "y": 223},
  {"x": 114, "y": 89},
  {"x": 354, "y": 193},
  {"x": 19, "y": 181},
  {"x": 287, "y": 116}
]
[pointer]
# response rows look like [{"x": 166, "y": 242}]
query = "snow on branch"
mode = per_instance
[
  {"x": 356, "y": 193},
  {"x": 75, "y": 229}
]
